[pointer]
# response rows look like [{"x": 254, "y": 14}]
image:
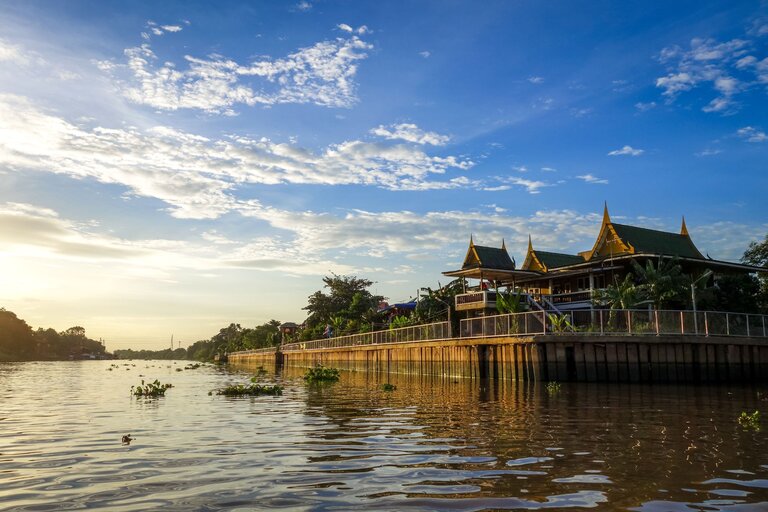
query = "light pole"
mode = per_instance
[{"x": 704, "y": 276}]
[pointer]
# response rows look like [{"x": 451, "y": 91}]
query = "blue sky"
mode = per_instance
[{"x": 168, "y": 168}]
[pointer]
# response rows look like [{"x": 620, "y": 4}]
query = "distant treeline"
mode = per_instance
[
  {"x": 18, "y": 342},
  {"x": 229, "y": 339}
]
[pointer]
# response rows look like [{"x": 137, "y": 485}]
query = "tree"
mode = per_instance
[
  {"x": 757, "y": 254},
  {"x": 348, "y": 303},
  {"x": 620, "y": 295},
  {"x": 16, "y": 339},
  {"x": 662, "y": 282},
  {"x": 439, "y": 304}
]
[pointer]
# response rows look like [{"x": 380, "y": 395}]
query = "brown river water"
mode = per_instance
[{"x": 431, "y": 444}]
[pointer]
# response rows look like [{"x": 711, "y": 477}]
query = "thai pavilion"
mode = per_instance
[{"x": 561, "y": 282}]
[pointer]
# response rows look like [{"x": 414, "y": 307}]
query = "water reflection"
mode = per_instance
[{"x": 431, "y": 444}]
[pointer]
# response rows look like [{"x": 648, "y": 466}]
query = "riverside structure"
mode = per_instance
[{"x": 564, "y": 336}]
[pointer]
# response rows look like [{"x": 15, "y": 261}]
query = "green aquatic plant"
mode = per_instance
[
  {"x": 194, "y": 366},
  {"x": 321, "y": 373},
  {"x": 553, "y": 387},
  {"x": 250, "y": 390},
  {"x": 750, "y": 421},
  {"x": 388, "y": 387},
  {"x": 260, "y": 372},
  {"x": 151, "y": 390}
]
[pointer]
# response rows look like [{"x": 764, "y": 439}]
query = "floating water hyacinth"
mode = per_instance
[
  {"x": 322, "y": 374},
  {"x": 250, "y": 390},
  {"x": 151, "y": 390}
]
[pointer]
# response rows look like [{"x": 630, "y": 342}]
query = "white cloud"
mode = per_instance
[
  {"x": 536, "y": 79},
  {"x": 426, "y": 54},
  {"x": 321, "y": 74},
  {"x": 361, "y": 30},
  {"x": 531, "y": 186},
  {"x": 589, "y": 178},
  {"x": 411, "y": 133},
  {"x": 10, "y": 52},
  {"x": 644, "y": 107},
  {"x": 626, "y": 150},
  {"x": 727, "y": 67},
  {"x": 709, "y": 152},
  {"x": 580, "y": 112},
  {"x": 196, "y": 176},
  {"x": 549, "y": 169},
  {"x": 751, "y": 134},
  {"x": 27, "y": 231}
]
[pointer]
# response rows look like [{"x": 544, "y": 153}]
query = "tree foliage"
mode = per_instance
[
  {"x": 18, "y": 342},
  {"x": 347, "y": 305},
  {"x": 439, "y": 303},
  {"x": 660, "y": 283},
  {"x": 620, "y": 295}
]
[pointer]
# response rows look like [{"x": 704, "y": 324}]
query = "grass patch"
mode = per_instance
[
  {"x": 250, "y": 390},
  {"x": 321, "y": 373},
  {"x": 151, "y": 390},
  {"x": 553, "y": 387},
  {"x": 388, "y": 387}
]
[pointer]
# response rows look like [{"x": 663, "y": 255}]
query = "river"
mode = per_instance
[{"x": 431, "y": 444}]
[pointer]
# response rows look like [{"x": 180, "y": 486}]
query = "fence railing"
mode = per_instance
[
  {"x": 265, "y": 350},
  {"x": 618, "y": 321},
  {"x": 594, "y": 322},
  {"x": 426, "y": 332}
]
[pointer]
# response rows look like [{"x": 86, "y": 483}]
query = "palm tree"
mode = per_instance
[
  {"x": 661, "y": 282},
  {"x": 620, "y": 295}
]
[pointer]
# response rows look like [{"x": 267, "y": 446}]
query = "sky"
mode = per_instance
[{"x": 168, "y": 168}]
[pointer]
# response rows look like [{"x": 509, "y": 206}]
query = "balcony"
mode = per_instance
[{"x": 480, "y": 299}]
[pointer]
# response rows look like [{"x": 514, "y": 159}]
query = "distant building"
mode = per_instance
[{"x": 560, "y": 282}]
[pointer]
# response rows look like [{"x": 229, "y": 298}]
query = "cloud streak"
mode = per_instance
[
  {"x": 626, "y": 151},
  {"x": 199, "y": 177}
]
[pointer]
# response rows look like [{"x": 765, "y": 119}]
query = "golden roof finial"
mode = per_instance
[
  {"x": 606, "y": 217},
  {"x": 530, "y": 244},
  {"x": 503, "y": 245},
  {"x": 684, "y": 228}
]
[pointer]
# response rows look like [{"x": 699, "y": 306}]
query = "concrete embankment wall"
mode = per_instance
[{"x": 554, "y": 358}]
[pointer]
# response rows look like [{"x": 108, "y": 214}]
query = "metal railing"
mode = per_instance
[
  {"x": 425, "y": 332},
  {"x": 265, "y": 350},
  {"x": 618, "y": 321}
]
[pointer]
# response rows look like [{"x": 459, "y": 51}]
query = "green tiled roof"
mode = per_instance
[
  {"x": 556, "y": 259},
  {"x": 657, "y": 242},
  {"x": 491, "y": 257}
]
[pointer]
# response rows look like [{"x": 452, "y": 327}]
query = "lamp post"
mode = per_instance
[{"x": 705, "y": 275}]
